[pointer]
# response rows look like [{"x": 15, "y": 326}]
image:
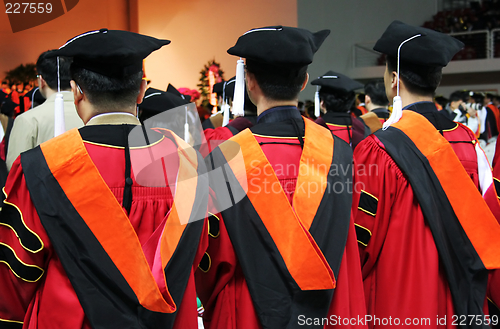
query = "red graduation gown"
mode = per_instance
[
  {"x": 222, "y": 285},
  {"x": 402, "y": 273},
  {"x": 36, "y": 290}
]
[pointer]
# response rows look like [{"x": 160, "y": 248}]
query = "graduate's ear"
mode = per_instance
[
  {"x": 304, "y": 84},
  {"x": 368, "y": 100},
  {"x": 142, "y": 91},
  {"x": 250, "y": 81},
  {"x": 77, "y": 92},
  {"x": 394, "y": 79},
  {"x": 41, "y": 82}
]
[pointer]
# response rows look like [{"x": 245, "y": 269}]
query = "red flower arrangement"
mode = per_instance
[{"x": 195, "y": 95}]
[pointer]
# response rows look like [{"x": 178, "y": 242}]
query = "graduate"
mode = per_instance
[
  {"x": 94, "y": 233},
  {"x": 337, "y": 99},
  {"x": 426, "y": 236},
  {"x": 285, "y": 255},
  {"x": 157, "y": 101},
  {"x": 376, "y": 100}
]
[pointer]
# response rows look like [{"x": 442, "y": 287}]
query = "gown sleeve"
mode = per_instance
[{"x": 24, "y": 250}]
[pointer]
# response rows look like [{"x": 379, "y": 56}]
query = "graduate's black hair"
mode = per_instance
[
  {"x": 47, "y": 68},
  {"x": 376, "y": 91},
  {"x": 335, "y": 100},
  {"x": 279, "y": 83},
  {"x": 105, "y": 93},
  {"x": 419, "y": 79},
  {"x": 458, "y": 95}
]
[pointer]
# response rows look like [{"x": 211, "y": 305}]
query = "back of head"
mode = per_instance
[
  {"x": 420, "y": 80},
  {"x": 278, "y": 83},
  {"x": 376, "y": 91},
  {"x": 46, "y": 66},
  {"x": 458, "y": 96},
  {"x": 336, "y": 100},
  {"x": 489, "y": 97},
  {"x": 478, "y": 98},
  {"x": 107, "y": 94}
]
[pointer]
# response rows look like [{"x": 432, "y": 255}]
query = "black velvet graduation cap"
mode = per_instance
[
  {"x": 218, "y": 88},
  {"x": 112, "y": 53},
  {"x": 337, "y": 81},
  {"x": 225, "y": 88},
  {"x": 171, "y": 89},
  {"x": 431, "y": 48},
  {"x": 157, "y": 101},
  {"x": 279, "y": 45}
]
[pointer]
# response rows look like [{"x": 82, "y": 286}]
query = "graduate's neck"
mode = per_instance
[
  {"x": 408, "y": 98},
  {"x": 87, "y": 110},
  {"x": 266, "y": 104}
]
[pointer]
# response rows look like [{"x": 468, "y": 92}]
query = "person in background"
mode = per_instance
[
  {"x": 5, "y": 87},
  {"x": 157, "y": 101},
  {"x": 492, "y": 117},
  {"x": 378, "y": 113},
  {"x": 376, "y": 100},
  {"x": 455, "y": 103},
  {"x": 360, "y": 105},
  {"x": 337, "y": 99},
  {"x": 6, "y": 121},
  {"x": 37, "y": 125}
]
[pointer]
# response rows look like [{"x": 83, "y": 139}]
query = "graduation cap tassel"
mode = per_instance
[
  {"x": 59, "y": 124},
  {"x": 224, "y": 107},
  {"x": 239, "y": 90},
  {"x": 316, "y": 103},
  {"x": 225, "y": 111},
  {"x": 33, "y": 97},
  {"x": 397, "y": 104},
  {"x": 2, "y": 133}
]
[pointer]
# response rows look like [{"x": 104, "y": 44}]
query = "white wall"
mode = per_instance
[{"x": 351, "y": 22}]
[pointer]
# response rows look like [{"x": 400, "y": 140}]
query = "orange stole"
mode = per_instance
[
  {"x": 289, "y": 229},
  {"x": 483, "y": 234},
  {"x": 100, "y": 211}
]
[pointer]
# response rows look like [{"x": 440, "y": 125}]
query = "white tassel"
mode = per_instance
[
  {"x": 316, "y": 103},
  {"x": 239, "y": 90},
  {"x": 397, "y": 104},
  {"x": 397, "y": 112},
  {"x": 2, "y": 132},
  {"x": 59, "y": 124},
  {"x": 225, "y": 111},
  {"x": 225, "y": 106}
]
